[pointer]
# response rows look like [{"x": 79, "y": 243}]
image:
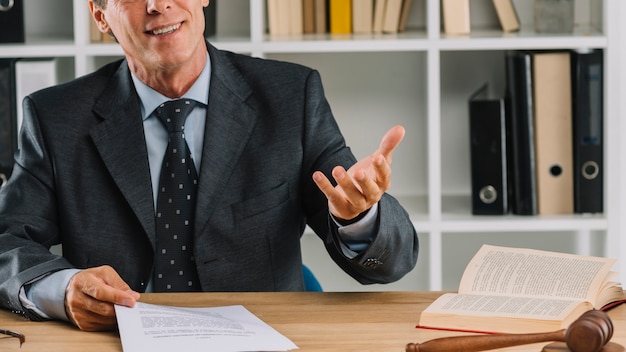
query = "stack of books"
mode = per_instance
[{"x": 294, "y": 17}]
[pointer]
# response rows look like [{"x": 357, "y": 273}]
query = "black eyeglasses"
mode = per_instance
[{"x": 10, "y": 334}]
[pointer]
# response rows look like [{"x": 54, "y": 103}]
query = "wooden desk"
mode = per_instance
[{"x": 327, "y": 321}]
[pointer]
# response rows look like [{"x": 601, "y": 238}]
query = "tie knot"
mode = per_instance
[{"x": 173, "y": 113}]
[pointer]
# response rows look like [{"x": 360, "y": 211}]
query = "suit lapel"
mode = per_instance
[
  {"x": 119, "y": 139},
  {"x": 230, "y": 121}
]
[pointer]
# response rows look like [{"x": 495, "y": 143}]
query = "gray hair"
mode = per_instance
[{"x": 100, "y": 3}]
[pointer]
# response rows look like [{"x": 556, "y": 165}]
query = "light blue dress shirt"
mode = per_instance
[
  {"x": 45, "y": 295},
  {"x": 156, "y": 134}
]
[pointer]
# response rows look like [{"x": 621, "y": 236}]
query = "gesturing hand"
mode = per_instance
[
  {"x": 91, "y": 294},
  {"x": 361, "y": 186}
]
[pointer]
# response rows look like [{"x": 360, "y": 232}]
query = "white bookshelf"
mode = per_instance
[{"x": 420, "y": 78}]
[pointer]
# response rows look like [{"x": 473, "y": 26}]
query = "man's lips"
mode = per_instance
[{"x": 165, "y": 30}]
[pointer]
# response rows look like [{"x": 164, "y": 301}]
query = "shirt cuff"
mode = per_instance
[
  {"x": 356, "y": 237},
  {"x": 45, "y": 295}
]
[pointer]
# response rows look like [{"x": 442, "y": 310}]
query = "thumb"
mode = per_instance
[{"x": 390, "y": 141}]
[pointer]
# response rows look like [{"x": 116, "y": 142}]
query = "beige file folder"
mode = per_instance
[{"x": 553, "y": 133}]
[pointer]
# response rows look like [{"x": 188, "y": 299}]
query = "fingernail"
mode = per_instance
[{"x": 131, "y": 301}]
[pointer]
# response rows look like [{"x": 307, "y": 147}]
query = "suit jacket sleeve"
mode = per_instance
[
  {"x": 28, "y": 225},
  {"x": 393, "y": 251}
]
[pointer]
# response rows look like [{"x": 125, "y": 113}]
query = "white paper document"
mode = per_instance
[{"x": 156, "y": 328}]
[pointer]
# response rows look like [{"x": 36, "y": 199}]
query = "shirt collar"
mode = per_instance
[{"x": 150, "y": 99}]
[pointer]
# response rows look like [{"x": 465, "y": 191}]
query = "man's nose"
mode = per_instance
[{"x": 157, "y": 6}]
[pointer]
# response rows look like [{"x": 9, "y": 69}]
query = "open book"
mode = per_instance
[{"x": 514, "y": 290}]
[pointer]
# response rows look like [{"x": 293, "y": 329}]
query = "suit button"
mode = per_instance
[{"x": 372, "y": 263}]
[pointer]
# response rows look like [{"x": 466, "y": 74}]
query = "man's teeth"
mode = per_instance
[{"x": 165, "y": 30}]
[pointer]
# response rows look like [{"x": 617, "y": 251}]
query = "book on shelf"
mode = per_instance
[
  {"x": 278, "y": 17},
  {"x": 272, "y": 16},
  {"x": 340, "y": 12},
  {"x": 521, "y": 133},
  {"x": 404, "y": 15},
  {"x": 379, "y": 15},
  {"x": 308, "y": 16},
  {"x": 554, "y": 157},
  {"x": 315, "y": 16},
  {"x": 285, "y": 17},
  {"x": 507, "y": 16},
  {"x": 295, "y": 17},
  {"x": 519, "y": 290},
  {"x": 587, "y": 124},
  {"x": 456, "y": 16},
  {"x": 362, "y": 16},
  {"x": 391, "y": 20},
  {"x": 321, "y": 17},
  {"x": 12, "y": 21},
  {"x": 8, "y": 118}
]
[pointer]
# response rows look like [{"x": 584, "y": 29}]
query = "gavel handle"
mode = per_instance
[{"x": 483, "y": 342}]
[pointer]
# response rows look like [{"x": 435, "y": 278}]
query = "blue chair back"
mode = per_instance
[{"x": 310, "y": 281}]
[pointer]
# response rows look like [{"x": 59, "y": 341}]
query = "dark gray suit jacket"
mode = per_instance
[{"x": 81, "y": 178}]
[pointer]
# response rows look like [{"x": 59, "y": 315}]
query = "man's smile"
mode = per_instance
[{"x": 165, "y": 30}]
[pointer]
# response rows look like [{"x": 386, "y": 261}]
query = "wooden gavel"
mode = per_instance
[{"x": 589, "y": 333}]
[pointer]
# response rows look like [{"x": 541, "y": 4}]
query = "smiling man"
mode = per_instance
[{"x": 262, "y": 158}]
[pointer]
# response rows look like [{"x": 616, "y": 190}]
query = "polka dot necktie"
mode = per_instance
[{"x": 174, "y": 266}]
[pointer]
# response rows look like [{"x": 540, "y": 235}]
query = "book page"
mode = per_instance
[
  {"x": 498, "y": 313},
  {"x": 535, "y": 273},
  {"x": 503, "y": 306}
]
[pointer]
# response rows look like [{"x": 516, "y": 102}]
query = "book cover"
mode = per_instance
[
  {"x": 588, "y": 117},
  {"x": 8, "y": 118},
  {"x": 272, "y": 16},
  {"x": 520, "y": 290},
  {"x": 520, "y": 129},
  {"x": 12, "y": 21},
  {"x": 379, "y": 15},
  {"x": 295, "y": 17},
  {"x": 391, "y": 20},
  {"x": 321, "y": 17},
  {"x": 278, "y": 17},
  {"x": 404, "y": 15},
  {"x": 507, "y": 15},
  {"x": 488, "y": 149},
  {"x": 362, "y": 16},
  {"x": 456, "y": 16},
  {"x": 340, "y": 16},
  {"x": 308, "y": 16},
  {"x": 552, "y": 95}
]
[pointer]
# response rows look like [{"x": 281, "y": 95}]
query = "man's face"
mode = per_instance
[{"x": 155, "y": 34}]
